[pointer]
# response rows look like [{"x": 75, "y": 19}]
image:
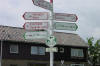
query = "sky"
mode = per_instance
[{"x": 87, "y": 11}]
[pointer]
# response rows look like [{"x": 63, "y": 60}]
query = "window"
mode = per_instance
[
  {"x": 37, "y": 50},
  {"x": 77, "y": 52},
  {"x": 77, "y": 64},
  {"x": 34, "y": 50},
  {"x": 41, "y": 50},
  {"x": 13, "y": 48}
]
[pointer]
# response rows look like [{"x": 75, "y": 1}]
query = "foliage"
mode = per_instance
[{"x": 94, "y": 51}]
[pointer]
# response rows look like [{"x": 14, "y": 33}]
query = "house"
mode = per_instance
[{"x": 16, "y": 51}]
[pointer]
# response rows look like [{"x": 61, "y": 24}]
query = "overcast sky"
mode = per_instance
[{"x": 87, "y": 11}]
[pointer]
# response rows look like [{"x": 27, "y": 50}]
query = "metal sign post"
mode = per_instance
[
  {"x": 51, "y": 40},
  {"x": 51, "y": 33}
]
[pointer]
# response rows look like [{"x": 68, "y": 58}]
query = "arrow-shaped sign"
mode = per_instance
[
  {"x": 36, "y": 26},
  {"x": 65, "y": 17},
  {"x": 35, "y": 35},
  {"x": 36, "y": 15},
  {"x": 65, "y": 26},
  {"x": 44, "y": 4}
]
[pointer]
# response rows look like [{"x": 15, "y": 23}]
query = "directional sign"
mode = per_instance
[
  {"x": 36, "y": 15},
  {"x": 65, "y": 17},
  {"x": 53, "y": 49},
  {"x": 36, "y": 26},
  {"x": 35, "y": 35},
  {"x": 51, "y": 41},
  {"x": 65, "y": 26},
  {"x": 44, "y": 4}
]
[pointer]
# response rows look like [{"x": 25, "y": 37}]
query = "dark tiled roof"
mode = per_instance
[{"x": 16, "y": 34}]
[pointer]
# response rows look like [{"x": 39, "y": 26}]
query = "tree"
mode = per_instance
[{"x": 93, "y": 51}]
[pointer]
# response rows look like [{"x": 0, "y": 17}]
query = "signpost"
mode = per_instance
[
  {"x": 65, "y": 26},
  {"x": 44, "y": 4},
  {"x": 65, "y": 17},
  {"x": 36, "y": 15},
  {"x": 51, "y": 40},
  {"x": 34, "y": 26},
  {"x": 35, "y": 35}
]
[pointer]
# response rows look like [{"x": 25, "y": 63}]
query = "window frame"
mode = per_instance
[
  {"x": 34, "y": 53},
  {"x": 38, "y": 49},
  {"x": 76, "y": 52},
  {"x": 44, "y": 50},
  {"x": 14, "y": 46}
]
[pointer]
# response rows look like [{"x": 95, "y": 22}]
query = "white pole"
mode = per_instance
[
  {"x": 51, "y": 58},
  {"x": 51, "y": 33}
]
